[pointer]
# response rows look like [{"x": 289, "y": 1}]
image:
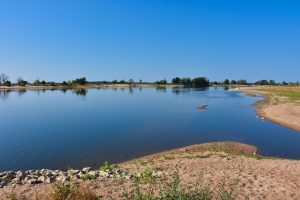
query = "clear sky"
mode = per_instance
[{"x": 150, "y": 39}]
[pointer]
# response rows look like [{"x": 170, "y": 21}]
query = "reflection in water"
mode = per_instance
[
  {"x": 130, "y": 90},
  {"x": 4, "y": 94},
  {"x": 64, "y": 90},
  {"x": 226, "y": 88},
  {"x": 21, "y": 92},
  {"x": 179, "y": 90},
  {"x": 201, "y": 88},
  {"x": 161, "y": 89},
  {"x": 80, "y": 92}
]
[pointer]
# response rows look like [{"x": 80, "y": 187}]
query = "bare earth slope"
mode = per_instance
[{"x": 260, "y": 178}]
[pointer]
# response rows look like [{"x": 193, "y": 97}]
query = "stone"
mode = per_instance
[
  {"x": 92, "y": 173},
  {"x": 103, "y": 174},
  {"x": 75, "y": 171},
  {"x": 63, "y": 178},
  {"x": 49, "y": 180},
  {"x": 32, "y": 181},
  {"x": 86, "y": 169},
  {"x": 42, "y": 179}
]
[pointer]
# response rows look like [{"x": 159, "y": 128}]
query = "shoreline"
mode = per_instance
[
  {"x": 88, "y": 86},
  {"x": 259, "y": 176},
  {"x": 286, "y": 114}
]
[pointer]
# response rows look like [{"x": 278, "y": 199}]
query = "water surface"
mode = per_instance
[{"x": 75, "y": 128}]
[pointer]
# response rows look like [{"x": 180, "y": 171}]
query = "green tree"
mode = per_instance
[
  {"x": 80, "y": 81},
  {"x": 242, "y": 82},
  {"x": 176, "y": 80},
  {"x": 130, "y": 81},
  {"x": 186, "y": 81},
  {"x": 272, "y": 82},
  {"x": 200, "y": 82},
  {"x": 226, "y": 82},
  {"x": 21, "y": 82},
  {"x": 233, "y": 82}
]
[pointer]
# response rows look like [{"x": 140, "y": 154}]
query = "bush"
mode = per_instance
[
  {"x": 71, "y": 192},
  {"x": 80, "y": 81},
  {"x": 7, "y": 83},
  {"x": 107, "y": 166}
]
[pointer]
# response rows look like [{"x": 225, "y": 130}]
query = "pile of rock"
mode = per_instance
[{"x": 11, "y": 178}]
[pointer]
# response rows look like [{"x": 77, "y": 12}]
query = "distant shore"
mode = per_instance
[
  {"x": 87, "y": 86},
  {"x": 281, "y": 104}
]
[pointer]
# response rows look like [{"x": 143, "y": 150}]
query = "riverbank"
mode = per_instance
[
  {"x": 87, "y": 86},
  {"x": 281, "y": 104},
  {"x": 258, "y": 177}
]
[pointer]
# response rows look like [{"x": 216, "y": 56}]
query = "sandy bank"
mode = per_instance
[
  {"x": 277, "y": 106},
  {"x": 260, "y": 178}
]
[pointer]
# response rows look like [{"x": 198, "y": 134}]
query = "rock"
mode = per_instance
[
  {"x": 49, "y": 180},
  {"x": 63, "y": 178},
  {"x": 92, "y": 173},
  {"x": 42, "y": 179},
  {"x": 81, "y": 174},
  {"x": 103, "y": 174},
  {"x": 86, "y": 169},
  {"x": 32, "y": 181},
  {"x": 74, "y": 171}
]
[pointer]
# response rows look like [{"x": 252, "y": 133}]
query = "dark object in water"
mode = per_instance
[{"x": 203, "y": 107}]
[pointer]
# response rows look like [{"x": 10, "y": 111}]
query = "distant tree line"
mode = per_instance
[
  {"x": 188, "y": 82},
  {"x": 198, "y": 81}
]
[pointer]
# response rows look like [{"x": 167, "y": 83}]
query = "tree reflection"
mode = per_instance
[
  {"x": 4, "y": 94},
  {"x": 161, "y": 89},
  {"x": 21, "y": 92},
  {"x": 80, "y": 92}
]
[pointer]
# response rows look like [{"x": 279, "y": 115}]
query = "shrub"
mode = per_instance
[
  {"x": 7, "y": 83},
  {"x": 71, "y": 192},
  {"x": 107, "y": 166}
]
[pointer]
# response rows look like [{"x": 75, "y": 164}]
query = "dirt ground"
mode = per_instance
[{"x": 260, "y": 178}]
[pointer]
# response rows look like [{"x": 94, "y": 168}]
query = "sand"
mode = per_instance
[
  {"x": 259, "y": 179},
  {"x": 276, "y": 109}
]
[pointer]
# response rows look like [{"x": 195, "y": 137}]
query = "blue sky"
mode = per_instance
[{"x": 150, "y": 40}]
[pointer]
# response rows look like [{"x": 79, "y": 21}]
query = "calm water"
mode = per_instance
[{"x": 60, "y": 129}]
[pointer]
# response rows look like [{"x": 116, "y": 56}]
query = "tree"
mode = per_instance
[
  {"x": 226, "y": 82},
  {"x": 200, "y": 82},
  {"x": 162, "y": 82},
  {"x": 80, "y": 81},
  {"x": 233, "y": 82},
  {"x": 141, "y": 81},
  {"x": 130, "y": 81},
  {"x": 272, "y": 82},
  {"x": 37, "y": 82},
  {"x": 3, "y": 78},
  {"x": 284, "y": 83},
  {"x": 122, "y": 82},
  {"x": 176, "y": 80},
  {"x": 186, "y": 81},
  {"x": 114, "y": 82},
  {"x": 21, "y": 82},
  {"x": 242, "y": 82},
  {"x": 7, "y": 83}
]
